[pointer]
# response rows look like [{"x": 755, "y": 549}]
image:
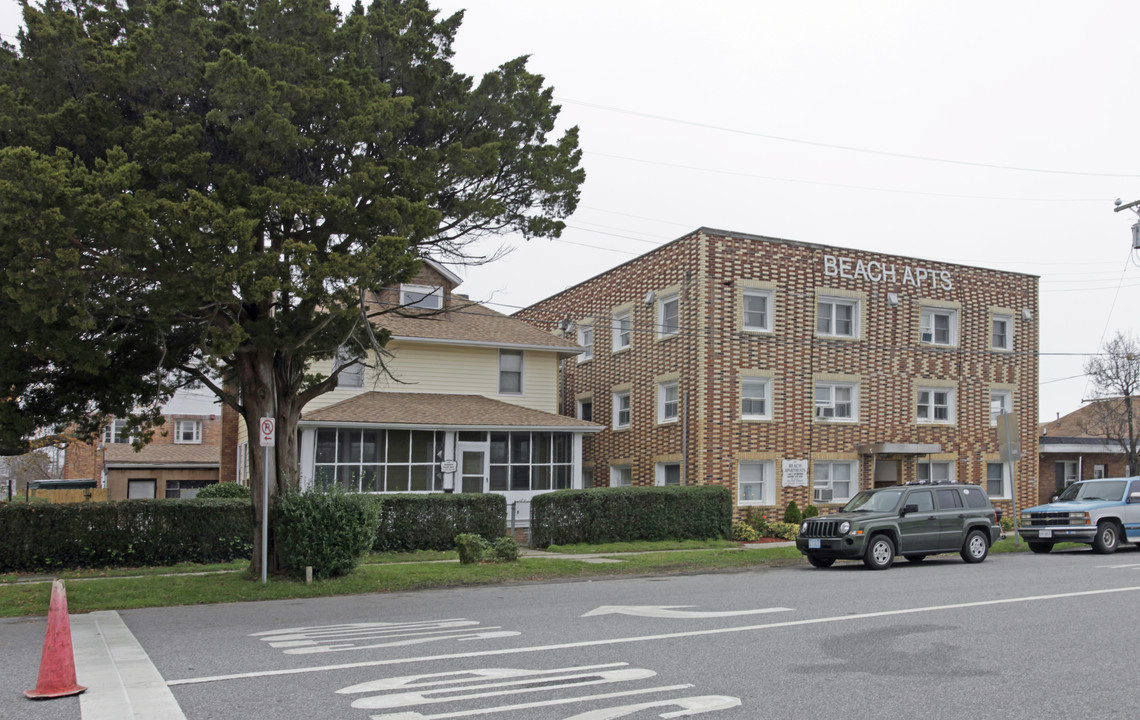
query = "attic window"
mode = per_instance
[{"x": 421, "y": 296}]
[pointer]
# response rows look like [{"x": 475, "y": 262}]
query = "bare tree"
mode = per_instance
[{"x": 1115, "y": 374}]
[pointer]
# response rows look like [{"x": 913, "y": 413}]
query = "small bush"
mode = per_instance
[
  {"x": 743, "y": 532},
  {"x": 475, "y": 549},
  {"x": 505, "y": 549},
  {"x": 758, "y": 521},
  {"x": 786, "y": 531},
  {"x": 328, "y": 530},
  {"x": 224, "y": 491},
  {"x": 1006, "y": 524},
  {"x": 810, "y": 511},
  {"x": 792, "y": 514}
]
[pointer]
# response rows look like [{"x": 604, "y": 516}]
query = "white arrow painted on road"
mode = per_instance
[{"x": 672, "y": 611}]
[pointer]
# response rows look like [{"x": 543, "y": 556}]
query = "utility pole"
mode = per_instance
[{"x": 1133, "y": 206}]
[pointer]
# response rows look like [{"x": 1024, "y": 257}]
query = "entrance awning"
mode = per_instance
[{"x": 898, "y": 449}]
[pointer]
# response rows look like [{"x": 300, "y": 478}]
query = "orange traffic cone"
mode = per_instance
[{"x": 57, "y": 665}]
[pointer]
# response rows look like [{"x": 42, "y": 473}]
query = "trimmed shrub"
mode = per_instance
[
  {"x": 128, "y": 533},
  {"x": 328, "y": 530},
  {"x": 787, "y": 531},
  {"x": 622, "y": 514},
  {"x": 810, "y": 511},
  {"x": 792, "y": 514},
  {"x": 743, "y": 532},
  {"x": 224, "y": 490},
  {"x": 504, "y": 549},
  {"x": 431, "y": 522}
]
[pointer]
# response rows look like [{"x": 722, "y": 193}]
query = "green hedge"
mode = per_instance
[
  {"x": 128, "y": 533},
  {"x": 624, "y": 514},
  {"x": 431, "y": 522},
  {"x": 328, "y": 530}
]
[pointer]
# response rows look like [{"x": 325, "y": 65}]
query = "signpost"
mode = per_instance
[{"x": 268, "y": 429}]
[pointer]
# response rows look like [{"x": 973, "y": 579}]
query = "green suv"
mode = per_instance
[{"x": 912, "y": 520}]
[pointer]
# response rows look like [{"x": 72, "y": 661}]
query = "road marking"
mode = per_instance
[
  {"x": 354, "y": 636},
  {"x": 662, "y": 636},
  {"x": 460, "y": 676},
  {"x": 526, "y": 706},
  {"x": 670, "y": 611},
  {"x": 689, "y": 706},
  {"x": 1118, "y": 567}
]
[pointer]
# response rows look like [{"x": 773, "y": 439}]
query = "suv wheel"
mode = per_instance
[
  {"x": 1040, "y": 547},
  {"x": 976, "y": 547},
  {"x": 880, "y": 553},
  {"x": 820, "y": 562},
  {"x": 1107, "y": 538}
]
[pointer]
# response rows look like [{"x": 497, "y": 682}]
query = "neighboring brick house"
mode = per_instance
[
  {"x": 1071, "y": 449},
  {"x": 181, "y": 458},
  {"x": 792, "y": 371},
  {"x": 468, "y": 402}
]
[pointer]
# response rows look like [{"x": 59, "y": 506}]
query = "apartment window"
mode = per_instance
[
  {"x": 621, "y": 476},
  {"x": 1001, "y": 403},
  {"x": 667, "y": 402},
  {"x": 837, "y": 317},
  {"x": 668, "y": 316},
  {"x": 586, "y": 340},
  {"x": 421, "y": 296},
  {"x": 1003, "y": 332},
  {"x": 1100, "y": 472},
  {"x": 621, "y": 331},
  {"x": 754, "y": 398},
  {"x": 929, "y": 471},
  {"x": 939, "y": 326},
  {"x": 510, "y": 372},
  {"x": 116, "y": 432},
  {"x": 586, "y": 409},
  {"x": 352, "y": 376},
  {"x": 838, "y": 478},
  {"x": 935, "y": 405},
  {"x": 587, "y": 477},
  {"x": 621, "y": 410},
  {"x": 758, "y": 310},
  {"x": 188, "y": 432},
  {"x": 668, "y": 473},
  {"x": 756, "y": 483},
  {"x": 997, "y": 484},
  {"x": 836, "y": 402}
]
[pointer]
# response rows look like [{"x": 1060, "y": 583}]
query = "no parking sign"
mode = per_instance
[{"x": 268, "y": 431}]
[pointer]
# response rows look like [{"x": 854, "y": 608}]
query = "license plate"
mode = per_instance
[
  {"x": 813, "y": 543},
  {"x": 1045, "y": 533}
]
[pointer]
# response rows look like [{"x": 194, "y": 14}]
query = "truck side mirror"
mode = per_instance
[{"x": 907, "y": 509}]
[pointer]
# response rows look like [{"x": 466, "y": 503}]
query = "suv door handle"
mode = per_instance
[{"x": 961, "y": 516}]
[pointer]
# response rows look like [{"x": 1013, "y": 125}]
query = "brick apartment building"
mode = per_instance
[{"x": 792, "y": 371}]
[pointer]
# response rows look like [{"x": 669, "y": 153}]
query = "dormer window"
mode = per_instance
[{"x": 425, "y": 297}]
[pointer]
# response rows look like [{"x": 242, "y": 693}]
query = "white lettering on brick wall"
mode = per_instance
[{"x": 875, "y": 271}]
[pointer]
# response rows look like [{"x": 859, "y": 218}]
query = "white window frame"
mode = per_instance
[
  {"x": 930, "y": 466},
  {"x": 586, "y": 340},
  {"x": 425, "y": 297},
  {"x": 506, "y": 372},
  {"x": 353, "y": 377},
  {"x": 621, "y": 475},
  {"x": 116, "y": 432},
  {"x": 195, "y": 432},
  {"x": 822, "y": 405},
  {"x": 666, "y": 326},
  {"x": 1005, "y": 484},
  {"x": 623, "y": 403},
  {"x": 767, "y": 482},
  {"x": 668, "y": 409},
  {"x": 1100, "y": 471},
  {"x": 1005, "y": 400},
  {"x": 622, "y": 330},
  {"x": 832, "y": 322},
  {"x": 661, "y": 469},
  {"x": 1072, "y": 471},
  {"x": 580, "y": 403},
  {"x": 931, "y": 405},
  {"x": 928, "y": 331},
  {"x": 1007, "y": 320},
  {"x": 824, "y": 478},
  {"x": 766, "y": 295},
  {"x": 765, "y": 384}
]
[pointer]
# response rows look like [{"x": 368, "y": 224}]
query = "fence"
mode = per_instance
[{"x": 70, "y": 495}]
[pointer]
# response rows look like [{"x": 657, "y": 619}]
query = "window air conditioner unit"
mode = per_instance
[
  {"x": 927, "y": 337},
  {"x": 822, "y": 494}
]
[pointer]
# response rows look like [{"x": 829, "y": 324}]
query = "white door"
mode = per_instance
[{"x": 472, "y": 470}]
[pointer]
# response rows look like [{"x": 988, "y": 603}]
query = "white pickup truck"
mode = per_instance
[{"x": 1103, "y": 513}]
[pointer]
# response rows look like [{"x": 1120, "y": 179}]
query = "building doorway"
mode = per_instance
[{"x": 886, "y": 472}]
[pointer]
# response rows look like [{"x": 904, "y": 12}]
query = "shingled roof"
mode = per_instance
[
  {"x": 1075, "y": 424},
  {"x": 469, "y": 323},
  {"x": 158, "y": 455},
  {"x": 441, "y": 411}
]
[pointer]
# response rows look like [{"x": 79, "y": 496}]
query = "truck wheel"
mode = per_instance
[
  {"x": 1107, "y": 537},
  {"x": 1040, "y": 547},
  {"x": 880, "y": 553},
  {"x": 820, "y": 562},
  {"x": 976, "y": 547}
]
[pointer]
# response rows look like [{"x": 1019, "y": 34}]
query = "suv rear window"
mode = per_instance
[
  {"x": 948, "y": 498},
  {"x": 975, "y": 498}
]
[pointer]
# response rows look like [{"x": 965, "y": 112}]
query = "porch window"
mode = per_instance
[
  {"x": 527, "y": 461},
  {"x": 379, "y": 460}
]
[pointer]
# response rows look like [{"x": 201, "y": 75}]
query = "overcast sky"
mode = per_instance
[{"x": 983, "y": 133}]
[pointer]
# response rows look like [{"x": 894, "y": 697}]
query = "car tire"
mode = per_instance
[
  {"x": 820, "y": 562},
  {"x": 976, "y": 547},
  {"x": 1107, "y": 538},
  {"x": 916, "y": 558},
  {"x": 880, "y": 552},
  {"x": 1040, "y": 548}
]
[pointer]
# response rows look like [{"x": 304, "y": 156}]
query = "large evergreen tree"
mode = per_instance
[{"x": 197, "y": 190}]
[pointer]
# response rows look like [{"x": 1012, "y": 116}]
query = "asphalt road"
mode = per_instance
[{"x": 1018, "y": 636}]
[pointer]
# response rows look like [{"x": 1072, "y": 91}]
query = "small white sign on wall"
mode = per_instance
[{"x": 795, "y": 473}]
